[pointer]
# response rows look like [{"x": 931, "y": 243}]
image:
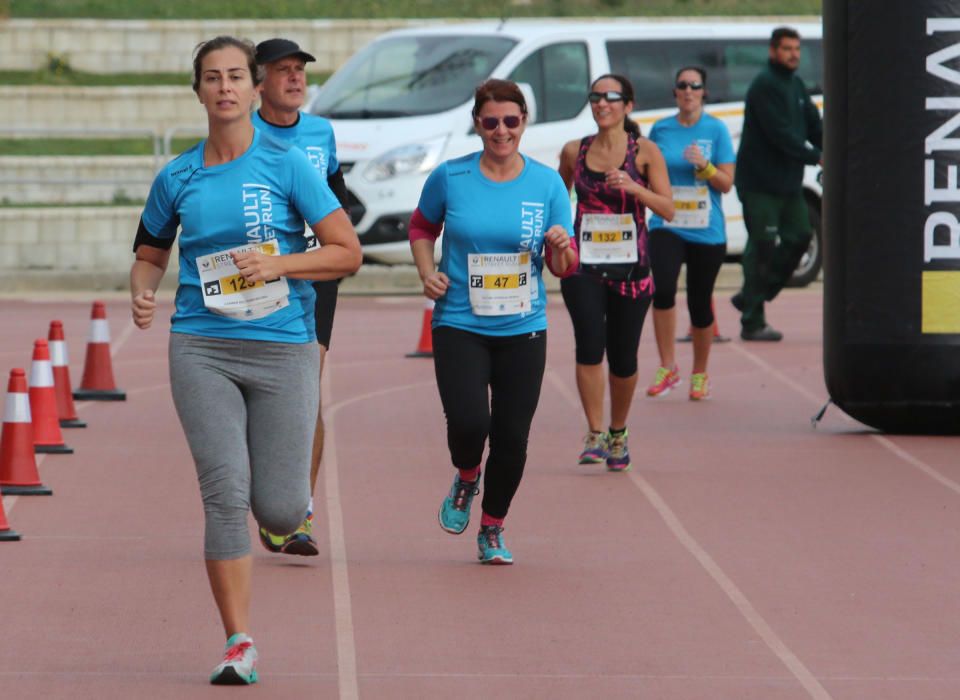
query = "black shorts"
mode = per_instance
[{"x": 324, "y": 308}]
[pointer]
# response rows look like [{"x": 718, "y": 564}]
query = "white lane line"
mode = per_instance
[
  {"x": 885, "y": 442},
  {"x": 342, "y": 606},
  {"x": 726, "y": 584}
]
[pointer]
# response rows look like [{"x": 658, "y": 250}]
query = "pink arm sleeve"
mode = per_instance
[
  {"x": 422, "y": 228},
  {"x": 570, "y": 268}
]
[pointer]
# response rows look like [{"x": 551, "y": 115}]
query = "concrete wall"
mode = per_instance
[
  {"x": 165, "y": 46},
  {"x": 74, "y": 179}
]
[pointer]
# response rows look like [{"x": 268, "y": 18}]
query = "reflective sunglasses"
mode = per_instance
[
  {"x": 490, "y": 123},
  {"x": 608, "y": 95},
  {"x": 683, "y": 85}
]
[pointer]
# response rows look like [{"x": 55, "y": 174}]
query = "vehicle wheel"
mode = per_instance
[{"x": 812, "y": 259}]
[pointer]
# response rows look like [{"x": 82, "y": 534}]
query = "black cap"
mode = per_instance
[{"x": 274, "y": 49}]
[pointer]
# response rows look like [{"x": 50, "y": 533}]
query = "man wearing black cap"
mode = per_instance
[{"x": 282, "y": 93}]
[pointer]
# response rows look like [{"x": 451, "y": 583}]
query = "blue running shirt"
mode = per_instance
[
  {"x": 483, "y": 216},
  {"x": 712, "y": 136},
  {"x": 263, "y": 195},
  {"x": 311, "y": 134}
]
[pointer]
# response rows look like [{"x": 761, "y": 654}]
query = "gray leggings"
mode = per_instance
[{"x": 248, "y": 409}]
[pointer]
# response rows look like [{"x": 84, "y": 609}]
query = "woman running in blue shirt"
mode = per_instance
[
  {"x": 243, "y": 358},
  {"x": 503, "y": 215},
  {"x": 617, "y": 174},
  {"x": 700, "y": 160}
]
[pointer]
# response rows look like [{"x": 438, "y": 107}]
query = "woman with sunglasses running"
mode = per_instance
[
  {"x": 700, "y": 160},
  {"x": 617, "y": 174},
  {"x": 503, "y": 215}
]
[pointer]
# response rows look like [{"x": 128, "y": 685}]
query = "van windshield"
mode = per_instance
[{"x": 410, "y": 75}]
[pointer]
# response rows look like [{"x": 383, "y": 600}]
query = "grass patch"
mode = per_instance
[
  {"x": 72, "y": 77},
  {"x": 383, "y": 9},
  {"x": 86, "y": 147}
]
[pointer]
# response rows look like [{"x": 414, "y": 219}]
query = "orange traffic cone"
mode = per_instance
[
  {"x": 97, "y": 383},
  {"x": 61, "y": 377},
  {"x": 425, "y": 344},
  {"x": 47, "y": 436},
  {"x": 6, "y": 534},
  {"x": 18, "y": 466}
]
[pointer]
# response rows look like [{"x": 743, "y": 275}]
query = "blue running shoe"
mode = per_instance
[
  {"x": 455, "y": 510},
  {"x": 239, "y": 665},
  {"x": 619, "y": 458},
  {"x": 491, "y": 549}
]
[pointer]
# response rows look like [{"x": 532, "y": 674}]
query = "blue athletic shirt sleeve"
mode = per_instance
[
  {"x": 309, "y": 191},
  {"x": 713, "y": 138},
  {"x": 159, "y": 213},
  {"x": 483, "y": 216}
]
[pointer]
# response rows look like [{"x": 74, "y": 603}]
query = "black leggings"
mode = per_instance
[
  {"x": 604, "y": 320},
  {"x": 667, "y": 253},
  {"x": 490, "y": 386}
]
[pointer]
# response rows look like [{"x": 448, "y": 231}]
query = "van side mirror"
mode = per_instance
[{"x": 531, "y": 100}]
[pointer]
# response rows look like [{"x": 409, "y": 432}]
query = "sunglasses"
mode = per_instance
[
  {"x": 490, "y": 123},
  {"x": 683, "y": 85},
  {"x": 608, "y": 95}
]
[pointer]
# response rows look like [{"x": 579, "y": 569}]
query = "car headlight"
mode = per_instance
[{"x": 411, "y": 158}]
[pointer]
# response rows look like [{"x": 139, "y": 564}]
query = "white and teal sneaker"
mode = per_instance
[
  {"x": 239, "y": 665},
  {"x": 491, "y": 549},
  {"x": 455, "y": 510}
]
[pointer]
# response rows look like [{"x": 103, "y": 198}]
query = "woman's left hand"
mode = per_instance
[
  {"x": 257, "y": 267},
  {"x": 693, "y": 155},
  {"x": 557, "y": 238},
  {"x": 619, "y": 180}
]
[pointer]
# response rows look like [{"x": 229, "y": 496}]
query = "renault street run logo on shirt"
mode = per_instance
[
  {"x": 531, "y": 223},
  {"x": 318, "y": 159},
  {"x": 258, "y": 213}
]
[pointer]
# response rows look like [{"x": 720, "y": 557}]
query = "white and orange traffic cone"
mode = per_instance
[
  {"x": 18, "y": 465},
  {"x": 47, "y": 436},
  {"x": 97, "y": 383},
  {"x": 425, "y": 344},
  {"x": 61, "y": 377},
  {"x": 6, "y": 534}
]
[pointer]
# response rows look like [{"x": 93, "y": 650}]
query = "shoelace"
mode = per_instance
[
  {"x": 699, "y": 381},
  {"x": 617, "y": 444},
  {"x": 491, "y": 533},
  {"x": 593, "y": 440},
  {"x": 465, "y": 489},
  {"x": 662, "y": 374},
  {"x": 236, "y": 652}
]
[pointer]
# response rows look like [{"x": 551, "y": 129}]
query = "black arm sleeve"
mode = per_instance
[
  {"x": 144, "y": 237},
  {"x": 339, "y": 188}
]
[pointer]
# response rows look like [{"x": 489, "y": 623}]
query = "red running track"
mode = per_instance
[{"x": 747, "y": 555}]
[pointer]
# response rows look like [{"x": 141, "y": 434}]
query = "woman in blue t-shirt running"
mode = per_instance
[
  {"x": 503, "y": 216},
  {"x": 700, "y": 160},
  {"x": 243, "y": 355}
]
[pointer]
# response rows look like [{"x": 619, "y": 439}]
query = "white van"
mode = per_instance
[{"x": 402, "y": 104}]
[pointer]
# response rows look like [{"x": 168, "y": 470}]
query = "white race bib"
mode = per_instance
[
  {"x": 608, "y": 238},
  {"x": 227, "y": 293},
  {"x": 691, "y": 206},
  {"x": 499, "y": 283}
]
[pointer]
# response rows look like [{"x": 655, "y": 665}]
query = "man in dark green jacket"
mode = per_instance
[{"x": 779, "y": 125}]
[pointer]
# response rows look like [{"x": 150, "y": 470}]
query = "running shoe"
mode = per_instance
[
  {"x": 619, "y": 459},
  {"x": 239, "y": 665},
  {"x": 299, "y": 542},
  {"x": 664, "y": 380},
  {"x": 455, "y": 510},
  {"x": 594, "y": 448},
  {"x": 490, "y": 546},
  {"x": 699, "y": 386}
]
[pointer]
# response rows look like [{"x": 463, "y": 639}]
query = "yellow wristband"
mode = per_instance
[{"x": 706, "y": 172}]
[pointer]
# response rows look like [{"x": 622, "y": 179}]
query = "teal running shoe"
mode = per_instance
[
  {"x": 239, "y": 665},
  {"x": 491, "y": 549},
  {"x": 455, "y": 510}
]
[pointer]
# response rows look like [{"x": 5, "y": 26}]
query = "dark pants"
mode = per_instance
[
  {"x": 778, "y": 233},
  {"x": 490, "y": 387},
  {"x": 668, "y": 252}
]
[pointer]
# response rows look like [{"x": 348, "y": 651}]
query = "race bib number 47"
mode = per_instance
[
  {"x": 227, "y": 293},
  {"x": 499, "y": 283}
]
